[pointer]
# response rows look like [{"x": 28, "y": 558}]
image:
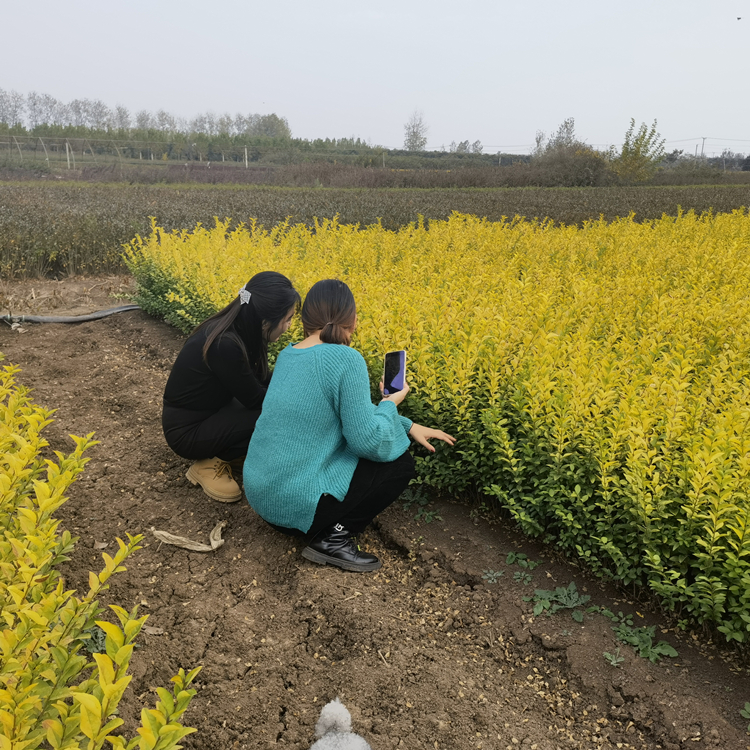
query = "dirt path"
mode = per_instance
[{"x": 426, "y": 653}]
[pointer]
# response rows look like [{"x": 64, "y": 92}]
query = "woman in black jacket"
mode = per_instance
[{"x": 216, "y": 388}]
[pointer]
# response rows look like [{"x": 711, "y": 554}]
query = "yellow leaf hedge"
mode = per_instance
[
  {"x": 53, "y": 693},
  {"x": 596, "y": 376}
]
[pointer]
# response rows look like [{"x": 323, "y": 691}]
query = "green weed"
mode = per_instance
[
  {"x": 614, "y": 659},
  {"x": 493, "y": 576},
  {"x": 745, "y": 714},
  {"x": 522, "y": 560},
  {"x": 522, "y": 577},
  {"x": 561, "y": 598},
  {"x": 642, "y": 640}
]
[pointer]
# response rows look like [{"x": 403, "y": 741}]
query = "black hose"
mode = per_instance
[{"x": 67, "y": 318}]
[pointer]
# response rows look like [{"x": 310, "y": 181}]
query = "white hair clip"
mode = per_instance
[{"x": 244, "y": 296}]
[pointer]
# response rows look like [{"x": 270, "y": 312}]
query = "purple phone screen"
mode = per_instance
[{"x": 395, "y": 372}]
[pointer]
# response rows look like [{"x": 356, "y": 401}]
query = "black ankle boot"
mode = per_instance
[{"x": 337, "y": 546}]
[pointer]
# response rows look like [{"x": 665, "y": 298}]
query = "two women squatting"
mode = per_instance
[{"x": 323, "y": 460}]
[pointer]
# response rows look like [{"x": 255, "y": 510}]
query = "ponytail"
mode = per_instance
[
  {"x": 329, "y": 308},
  {"x": 271, "y": 296},
  {"x": 335, "y": 333}
]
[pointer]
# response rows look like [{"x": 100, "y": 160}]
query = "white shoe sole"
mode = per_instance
[{"x": 322, "y": 559}]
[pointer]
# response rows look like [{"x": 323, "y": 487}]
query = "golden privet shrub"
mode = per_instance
[
  {"x": 596, "y": 377},
  {"x": 53, "y": 694}
]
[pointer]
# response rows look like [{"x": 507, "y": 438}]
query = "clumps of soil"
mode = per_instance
[{"x": 438, "y": 649}]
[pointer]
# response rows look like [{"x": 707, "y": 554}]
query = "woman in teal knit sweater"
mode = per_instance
[{"x": 324, "y": 460}]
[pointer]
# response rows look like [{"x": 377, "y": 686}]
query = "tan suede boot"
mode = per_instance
[{"x": 215, "y": 476}]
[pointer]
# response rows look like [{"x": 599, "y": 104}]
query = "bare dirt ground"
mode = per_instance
[{"x": 426, "y": 653}]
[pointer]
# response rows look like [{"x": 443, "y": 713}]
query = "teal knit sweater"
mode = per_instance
[{"x": 317, "y": 421}]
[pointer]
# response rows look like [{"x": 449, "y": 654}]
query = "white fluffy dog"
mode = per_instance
[{"x": 334, "y": 729}]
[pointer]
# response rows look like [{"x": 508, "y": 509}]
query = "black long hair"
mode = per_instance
[
  {"x": 330, "y": 308},
  {"x": 271, "y": 297}
]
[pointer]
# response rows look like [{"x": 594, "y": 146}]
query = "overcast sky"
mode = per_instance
[{"x": 486, "y": 70}]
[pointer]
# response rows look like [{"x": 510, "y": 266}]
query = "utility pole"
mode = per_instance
[{"x": 702, "y": 145}]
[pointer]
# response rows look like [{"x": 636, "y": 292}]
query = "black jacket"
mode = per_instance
[{"x": 200, "y": 385}]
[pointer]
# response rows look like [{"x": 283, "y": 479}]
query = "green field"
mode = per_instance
[{"x": 57, "y": 228}]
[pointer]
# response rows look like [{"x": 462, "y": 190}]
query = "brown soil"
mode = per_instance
[{"x": 425, "y": 653}]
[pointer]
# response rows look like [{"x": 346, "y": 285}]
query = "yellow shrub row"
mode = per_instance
[
  {"x": 596, "y": 377},
  {"x": 53, "y": 694}
]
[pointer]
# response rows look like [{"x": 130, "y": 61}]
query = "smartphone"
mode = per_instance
[{"x": 394, "y": 372}]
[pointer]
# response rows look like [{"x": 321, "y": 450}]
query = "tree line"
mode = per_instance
[
  {"x": 41, "y": 126},
  {"x": 35, "y": 110}
]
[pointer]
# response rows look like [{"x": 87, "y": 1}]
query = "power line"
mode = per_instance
[{"x": 709, "y": 138}]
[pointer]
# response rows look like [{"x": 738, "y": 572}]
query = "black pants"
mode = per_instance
[
  {"x": 223, "y": 434},
  {"x": 373, "y": 488}
]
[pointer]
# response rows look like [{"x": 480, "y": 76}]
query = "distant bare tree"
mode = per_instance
[
  {"x": 415, "y": 133},
  {"x": 79, "y": 112},
  {"x": 464, "y": 147},
  {"x": 62, "y": 116},
  {"x": 211, "y": 126},
  {"x": 121, "y": 117},
  {"x": 249, "y": 124},
  {"x": 729, "y": 160},
  {"x": 37, "y": 109},
  {"x": 199, "y": 124},
  {"x": 12, "y": 106},
  {"x": 100, "y": 115},
  {"x": 144, "y": 120},
  {"x": 165, "y": 121},
  {"x": 208, "y": 123},
  {"x": 53, "y": 111},
  {"x": 33, "y": 109},
  {"x": 564, "y": 138},
  {"x": 225, "y": 124},
  {"x": 240, "y": 123},
  {"x": 539, "y": 140}
]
